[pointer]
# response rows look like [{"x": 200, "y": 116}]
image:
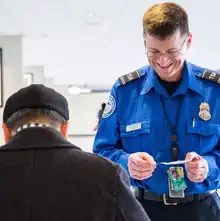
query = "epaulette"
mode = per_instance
[
  {"x": 210, "y": 75},
  {"x": 132, "y": 76}
]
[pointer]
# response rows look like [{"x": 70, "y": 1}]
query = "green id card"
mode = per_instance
[{"x": 176, "y": 176}]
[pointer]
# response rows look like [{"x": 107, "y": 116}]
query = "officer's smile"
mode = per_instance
[
  {"x": 164, "y": 69},
  {"x": 165, "y": 66}
]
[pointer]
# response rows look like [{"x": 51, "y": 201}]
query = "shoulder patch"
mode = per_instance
[
  {"x": 132, "y": 76},
  {"x": 110, "y": 107},
  {"x": 212, "y": 76}
]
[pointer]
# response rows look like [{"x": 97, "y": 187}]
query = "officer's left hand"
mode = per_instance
[{"x": 197, "y": 169}]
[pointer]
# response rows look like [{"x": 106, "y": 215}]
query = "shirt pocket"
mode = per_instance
[
  {"x": 135, "y": 140},
  {"x": 203, "y": 136}
]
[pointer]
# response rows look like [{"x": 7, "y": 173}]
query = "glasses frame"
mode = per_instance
[{"x": 171, "y": 54}]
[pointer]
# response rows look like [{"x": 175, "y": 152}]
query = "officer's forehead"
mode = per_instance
[{"x": 155, "y": 42}]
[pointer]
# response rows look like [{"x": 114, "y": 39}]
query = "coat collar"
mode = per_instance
[{"x": 37, "y": 138}]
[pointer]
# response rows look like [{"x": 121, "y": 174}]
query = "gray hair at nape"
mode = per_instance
[{"x": 29, "y": 115}]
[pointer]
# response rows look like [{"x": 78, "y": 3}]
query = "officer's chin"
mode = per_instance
[{"x": 167, "y": 74}]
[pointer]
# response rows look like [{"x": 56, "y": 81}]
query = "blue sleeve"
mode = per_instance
[
  {"x": 107, "y": 141},
  {"x": 213, "y": 160}
]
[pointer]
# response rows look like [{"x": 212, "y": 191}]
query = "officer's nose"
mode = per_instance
[{"x": 163, "y": 60}]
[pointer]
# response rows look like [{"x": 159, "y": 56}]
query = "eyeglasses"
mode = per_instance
[{"x": 168, "y": 54}]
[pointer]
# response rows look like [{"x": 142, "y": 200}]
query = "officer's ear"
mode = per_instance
[
  {"x": 64, "y": 129},
  {"x": 7, "y": 133},
  {"x": 189, "y": 40}
]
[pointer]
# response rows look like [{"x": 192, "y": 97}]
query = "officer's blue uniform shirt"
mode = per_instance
[{"x": 134, "y": 121}]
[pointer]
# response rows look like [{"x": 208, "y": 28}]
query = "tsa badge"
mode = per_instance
[{"x": 204, "y": 112}]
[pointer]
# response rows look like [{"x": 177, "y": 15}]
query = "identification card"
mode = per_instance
[{"x": 176, "y": 180}]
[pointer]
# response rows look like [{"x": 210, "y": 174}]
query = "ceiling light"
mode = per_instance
[{"x": 74, "y": 90}]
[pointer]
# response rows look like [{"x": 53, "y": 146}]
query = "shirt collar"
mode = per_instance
[
  {"x": 149, "y": 81},
  {"x": 188, "y": 82}
]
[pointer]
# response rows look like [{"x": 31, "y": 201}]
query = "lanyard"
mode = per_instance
[{"x": 174, "y": 148}]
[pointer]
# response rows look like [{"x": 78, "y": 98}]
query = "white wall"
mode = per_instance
[
  {"x": 12, "y": 68},
  {"x": 83, "y": 118},
  {"x": 83, "y": 112},
  {"x": 85, "y": 143},
  {"x": 38, "y": 73}
]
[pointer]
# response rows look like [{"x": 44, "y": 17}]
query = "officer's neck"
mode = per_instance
[{"x": 171, "y": 84}]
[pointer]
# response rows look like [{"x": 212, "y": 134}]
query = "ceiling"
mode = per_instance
[{"x": 93, "y": 42}]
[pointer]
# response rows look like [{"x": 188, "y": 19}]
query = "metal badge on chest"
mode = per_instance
[{"x": 204, "y": 111}]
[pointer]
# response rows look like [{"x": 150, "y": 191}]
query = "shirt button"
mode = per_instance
[{"x": 173, "y": 138}]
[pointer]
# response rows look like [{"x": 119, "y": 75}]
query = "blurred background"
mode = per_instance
[{"x": 80, "y": 48}]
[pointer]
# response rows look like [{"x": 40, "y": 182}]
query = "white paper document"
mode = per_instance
[{"x": 174, "y": 162}]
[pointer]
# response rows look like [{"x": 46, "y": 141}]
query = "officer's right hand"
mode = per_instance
[{"x": 141, "y": 165}]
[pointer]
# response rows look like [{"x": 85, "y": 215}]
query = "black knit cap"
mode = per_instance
[{"x": 36, "y": 96}]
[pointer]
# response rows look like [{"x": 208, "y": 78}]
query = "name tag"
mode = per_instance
[{"x": 133, "y": 127}]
